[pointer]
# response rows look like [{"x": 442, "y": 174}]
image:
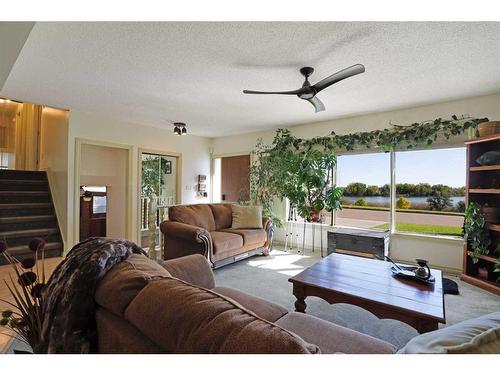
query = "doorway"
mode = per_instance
[
  {"x": 159, "y": 190},
  {"x": 103, "y": 175},
  {"x": 231, "y": 178},
  {"x": 93, "y": 209}
]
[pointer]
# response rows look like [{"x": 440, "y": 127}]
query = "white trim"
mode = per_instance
[
  {"x": 76, "y": 188},
  {"x": 178, "y": 182}
]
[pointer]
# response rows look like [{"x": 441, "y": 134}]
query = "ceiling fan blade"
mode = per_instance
[
  {"x": 294, "y": 92},
  {"x": 339, "y": 76},
  {"x": 317, "y": 104}
]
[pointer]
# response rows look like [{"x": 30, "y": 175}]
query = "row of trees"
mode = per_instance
[{"x": 360, "y": 189}]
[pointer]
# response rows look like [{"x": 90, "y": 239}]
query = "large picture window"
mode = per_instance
[
  {"x": 430, "y": 191},
  {"x": 365, "y": 179}
]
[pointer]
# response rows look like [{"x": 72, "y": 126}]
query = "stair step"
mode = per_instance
[
  {"x": 8, "y": 196},
  {"x": 48, "y": 246},
  {"x": 24, "y": 193},
  {"x": 18, "y": 219},
  {"x": 6, "y": 206},
  {"x": 52, "y": 249},
  {"x": 29, "y": 233},
  {"x": 28, "y": 185},
  {"x": 12, "y": 174},
  {"x": 26, "y": 209}
]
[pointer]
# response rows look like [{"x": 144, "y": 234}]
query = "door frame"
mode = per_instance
[
  {"x": 79, "y": 142},
  {"x": 178, "y": 178},
  {"x": 219, "y": 156}
]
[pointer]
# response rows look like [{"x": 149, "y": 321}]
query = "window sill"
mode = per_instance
[{"x": 429, "y": 236}]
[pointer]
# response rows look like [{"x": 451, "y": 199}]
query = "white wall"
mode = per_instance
[
  {"x": 54, "y": 160},
  {"x": 107, "y": 166},
  {"x": 194, "y": 160},
  {"x": 444, "y": 253}
]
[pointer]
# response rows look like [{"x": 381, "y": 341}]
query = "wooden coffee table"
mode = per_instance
[{"x": 369, "y": 283}]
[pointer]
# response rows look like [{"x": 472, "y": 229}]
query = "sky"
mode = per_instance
[{"x": 445, "y": 166}]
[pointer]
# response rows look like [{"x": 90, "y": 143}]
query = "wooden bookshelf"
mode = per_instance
[{"x": 483, "y": 188}]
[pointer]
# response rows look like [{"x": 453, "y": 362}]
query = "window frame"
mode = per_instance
[{"x": 393, "y": 197}]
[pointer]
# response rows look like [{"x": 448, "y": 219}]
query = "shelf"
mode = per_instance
[
  {"x": 483, "y": 139},
  {"x": 485, "y": 168},
  {"x": 485, "y": 284},
  {"x": 484, "y": 191},
  {"x": 488, "y": 258}
]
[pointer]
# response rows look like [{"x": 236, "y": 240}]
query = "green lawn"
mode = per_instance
[
  {"x": 424, "y": 229},
  {"x": 409, "y": 210}
]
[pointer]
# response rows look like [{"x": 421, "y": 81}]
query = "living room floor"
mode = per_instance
[{"x": 267, "y": 277}]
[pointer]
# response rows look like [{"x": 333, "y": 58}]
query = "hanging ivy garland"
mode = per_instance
[{"x": 409, "y": 137}]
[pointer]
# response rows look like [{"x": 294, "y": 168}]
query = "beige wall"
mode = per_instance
[
  {"x": 107, "y": 166},
  {"x": 444, "y": 253},
  {"x": 54, "y": 160},
  {"x": 195, "y": 157}
]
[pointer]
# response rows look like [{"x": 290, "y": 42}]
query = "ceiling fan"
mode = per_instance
[{"x": 308, "y": 92}]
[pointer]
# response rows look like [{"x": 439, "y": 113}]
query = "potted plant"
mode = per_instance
[
  {"x": 476, "y": 231},
  {"x": 26, "y": 286}
]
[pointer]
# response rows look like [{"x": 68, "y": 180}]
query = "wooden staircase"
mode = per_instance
[{"x": 27, "y": 211}]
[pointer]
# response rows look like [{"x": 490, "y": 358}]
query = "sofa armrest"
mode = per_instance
[
  {"x": 267, "y": 225},
  {"x": 182, "y": 231},
  {"x": 194, "y": 269}
]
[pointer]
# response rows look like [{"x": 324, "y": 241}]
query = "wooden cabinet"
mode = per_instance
[{"x": 483, "y": 187}]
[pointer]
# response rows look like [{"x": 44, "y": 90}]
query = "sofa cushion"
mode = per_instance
[
  {"x": 193, "y": 269},
  {"x": 256, "y": 237},
  {"x": 262, "y": 308},
  {"x": 223, "y": 215},
  {"x": 225, "y": 242},
  {"x": 182, "y": 318},
  {"x": 332, "y": 338},
  {"x": 125, "y": 280},
  {"x": 474, "y": 336},
  {"x": 246, "y": 217},
  {"x": 199, "y": 215}
]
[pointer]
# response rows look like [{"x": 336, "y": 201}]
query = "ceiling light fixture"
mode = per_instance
[{"x": 180, "y": 128}]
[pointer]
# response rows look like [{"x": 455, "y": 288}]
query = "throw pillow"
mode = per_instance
[
  {"x": 474, "y": 336},
  {"x": 247, "y": 217}
]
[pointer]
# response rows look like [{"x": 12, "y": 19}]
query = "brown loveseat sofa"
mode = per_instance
[
  {"x": 206, "y": 229},
  {"x": 145, "y": 307}
]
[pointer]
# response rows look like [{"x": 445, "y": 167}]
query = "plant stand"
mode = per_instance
[{"x": 313, "y": 233}]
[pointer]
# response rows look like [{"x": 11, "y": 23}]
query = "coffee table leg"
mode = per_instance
[
  {"x": 424, "y": 326},
  {"x": 300, "y": 303}
]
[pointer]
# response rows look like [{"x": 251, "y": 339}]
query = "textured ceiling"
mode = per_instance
[{"x": 150, "y": 73}]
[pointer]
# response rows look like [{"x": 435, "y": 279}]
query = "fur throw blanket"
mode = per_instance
[{"x": 69, "y": 309}]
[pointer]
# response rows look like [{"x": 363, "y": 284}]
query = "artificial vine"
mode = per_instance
[
  {"x": 273, "y": 166},
  {"x": 397, "y": 137}
]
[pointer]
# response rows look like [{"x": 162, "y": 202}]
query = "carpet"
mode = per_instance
[{"x": 267, "y": 277}]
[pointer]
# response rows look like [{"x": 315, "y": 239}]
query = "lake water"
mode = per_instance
[{"x": 386, "y": 200}]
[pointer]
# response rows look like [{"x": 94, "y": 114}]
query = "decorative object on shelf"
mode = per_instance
[
  {"x": 489, "y": 158},
  {"x": 491, "y": 214},
  {"x": 308, "y": 92},
  {"x": 180, "y": 128},
  {"x": 476, "y": 231},
  {"x": 26, "y": 288},
  {"x": 489, "y": 128}
]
